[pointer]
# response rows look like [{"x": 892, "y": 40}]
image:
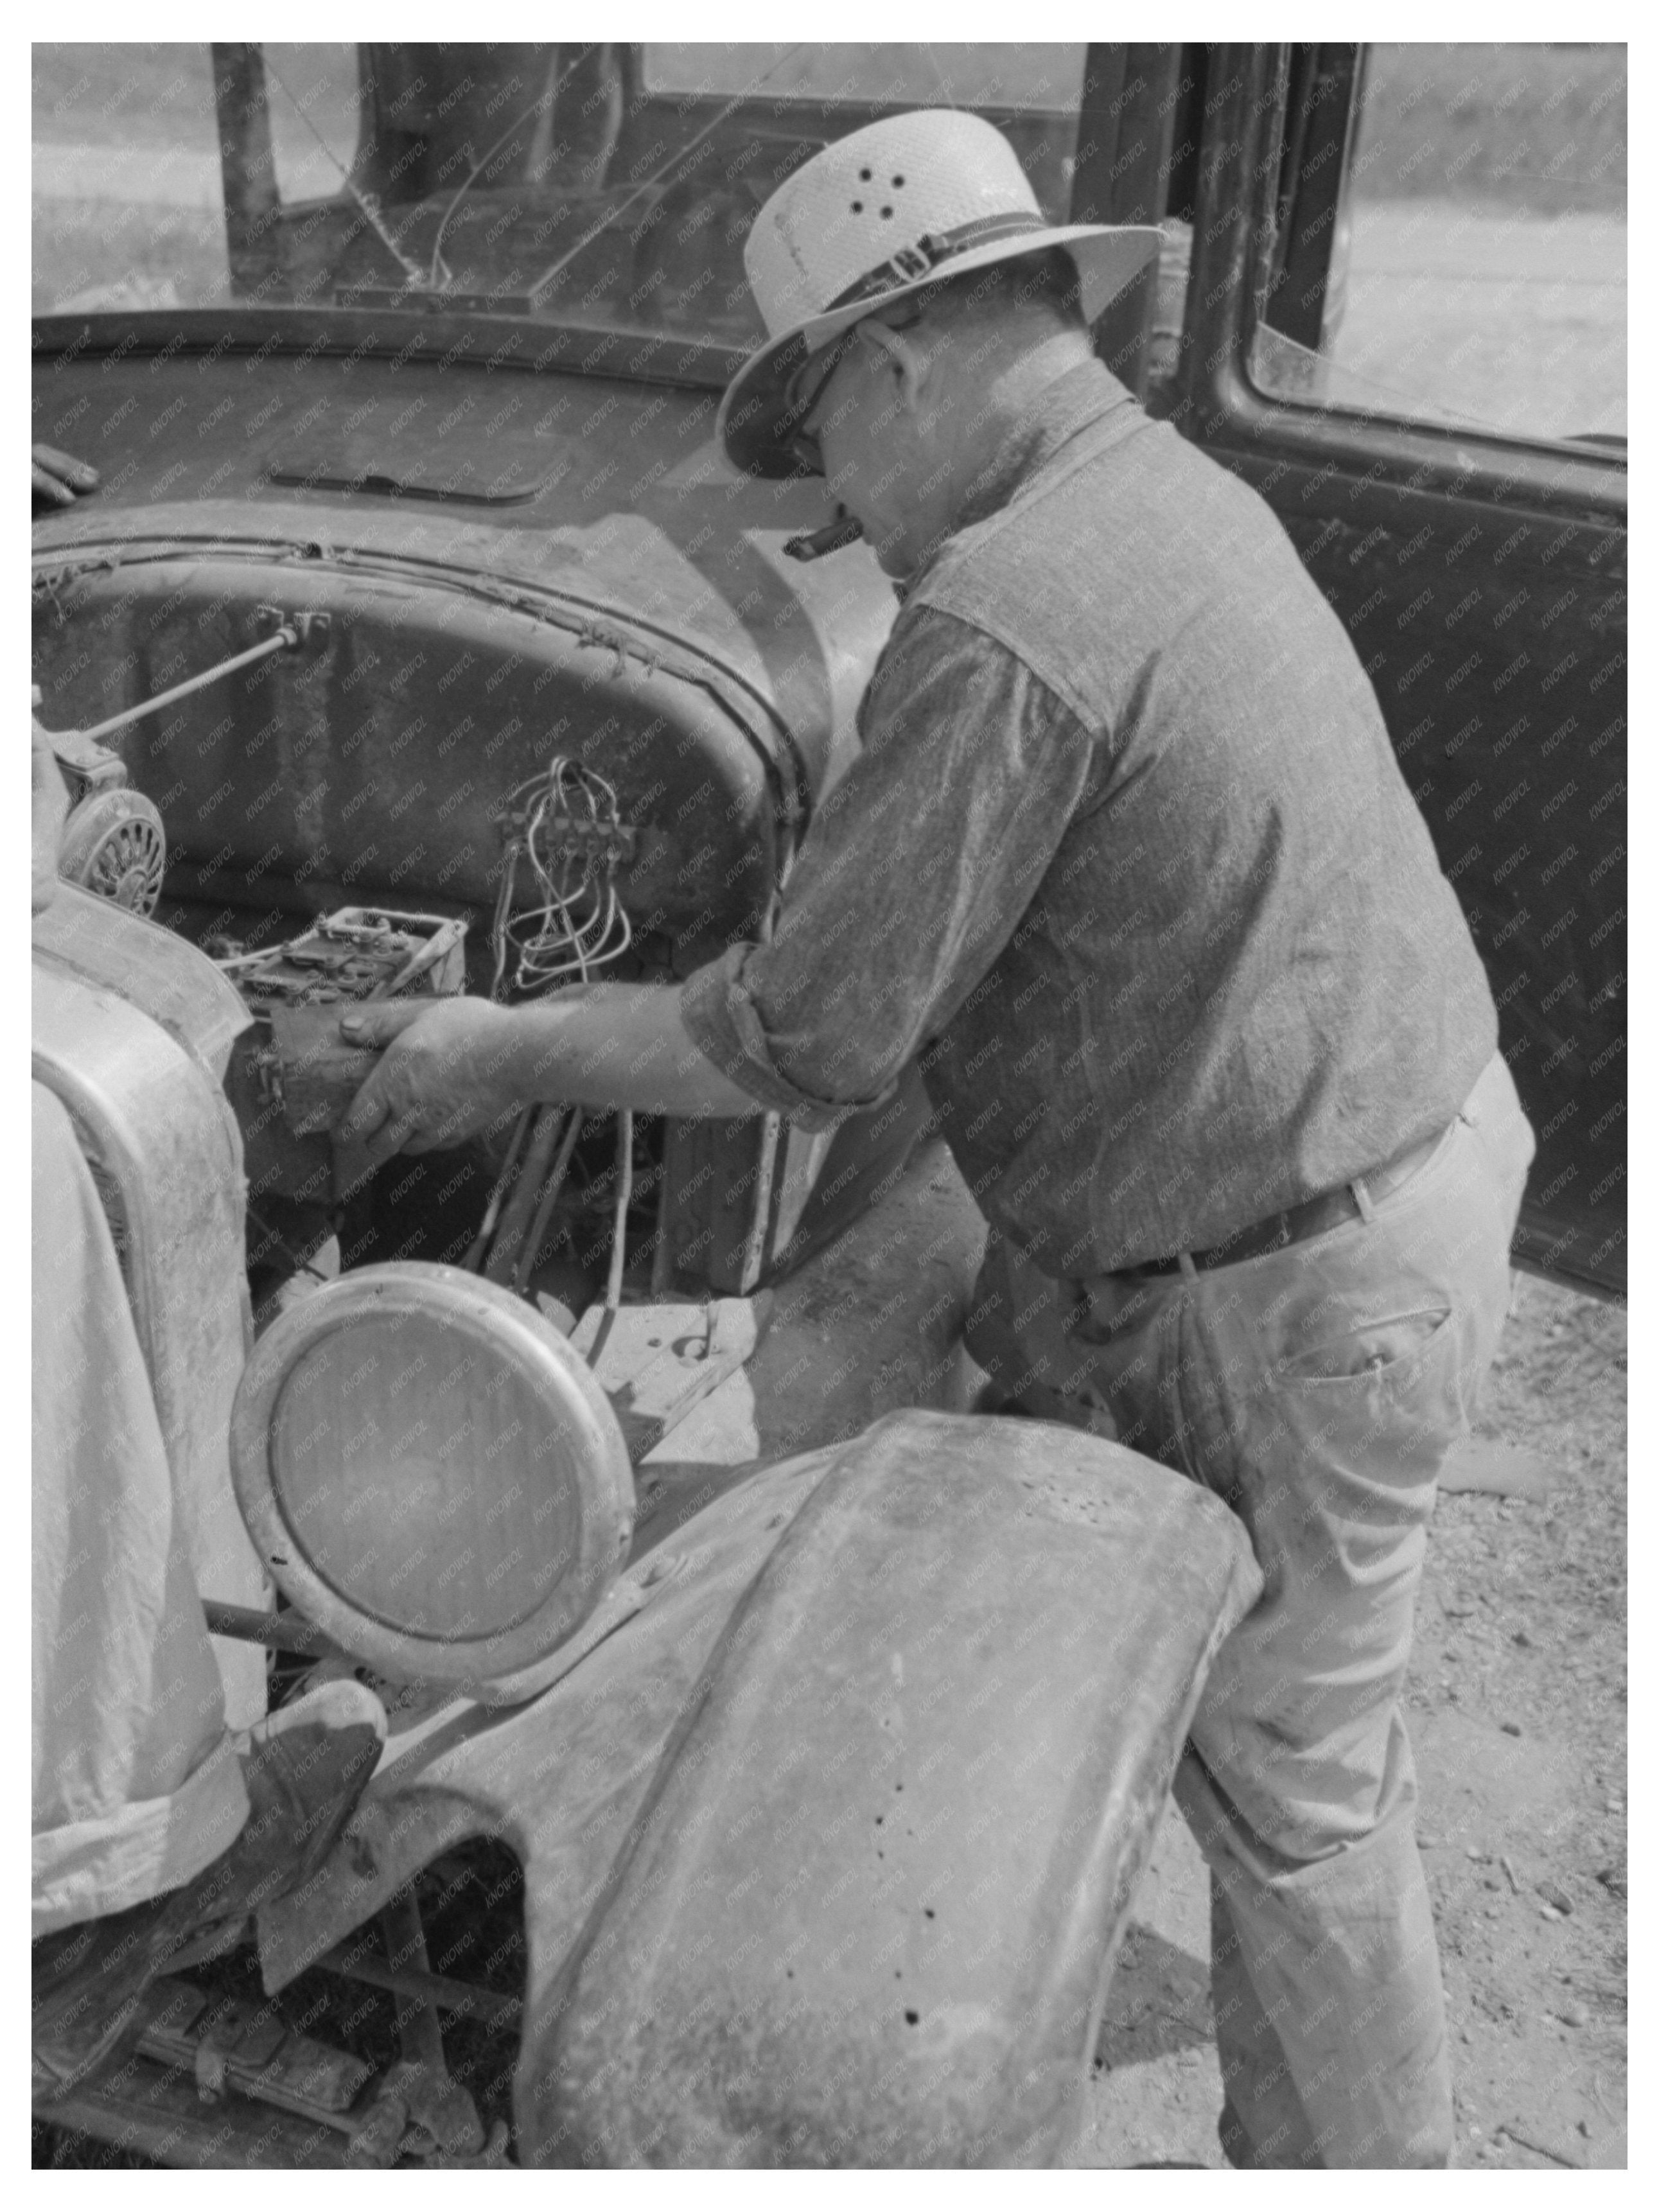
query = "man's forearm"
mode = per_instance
[{"x": 619, "y": 1044}]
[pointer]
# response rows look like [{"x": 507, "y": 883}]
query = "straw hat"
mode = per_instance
[{"x": 879, "y": 215}]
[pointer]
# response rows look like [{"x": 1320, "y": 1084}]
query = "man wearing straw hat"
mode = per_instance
[{"x": 1126, "y": 864}]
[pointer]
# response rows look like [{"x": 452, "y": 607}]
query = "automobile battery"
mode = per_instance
[{"x": 290, "y": 1068}]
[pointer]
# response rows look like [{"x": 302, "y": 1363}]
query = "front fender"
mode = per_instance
[{"x": 866, "y": 1914}]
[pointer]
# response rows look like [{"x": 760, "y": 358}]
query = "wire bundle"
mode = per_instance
[{"x": 578, "y": 924}]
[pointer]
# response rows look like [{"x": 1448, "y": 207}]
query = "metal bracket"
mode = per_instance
[
  {"x": 310, "y": 626},
  {"x": 94, "y": 766},
  {"x": 435, "y": 2103}
]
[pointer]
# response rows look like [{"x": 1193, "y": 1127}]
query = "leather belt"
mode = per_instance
[{"x": 1294, "y": 1225}]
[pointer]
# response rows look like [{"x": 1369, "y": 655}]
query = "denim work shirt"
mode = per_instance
[{"x": 1126, "y": 864}]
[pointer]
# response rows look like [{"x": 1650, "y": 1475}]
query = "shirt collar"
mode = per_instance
[{"x": 1072, "y": 403}]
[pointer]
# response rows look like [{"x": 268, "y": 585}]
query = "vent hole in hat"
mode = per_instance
[
  {"x": 858, "y": 207},
  {"x": 886, "y": 212},
  {"x": 897, "y": 182},
  {"x": 865, "y": 176}
]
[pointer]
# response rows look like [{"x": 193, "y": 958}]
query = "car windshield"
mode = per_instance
[{"x": 606, "y": 187}]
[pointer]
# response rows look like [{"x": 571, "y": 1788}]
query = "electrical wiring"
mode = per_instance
[{"x": 565, "y": 829}]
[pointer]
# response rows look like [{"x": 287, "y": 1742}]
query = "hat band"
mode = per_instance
[{"x": 911, "y": 262}]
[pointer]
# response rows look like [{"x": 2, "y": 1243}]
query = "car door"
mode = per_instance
[{"x": 1402, "y": 321}]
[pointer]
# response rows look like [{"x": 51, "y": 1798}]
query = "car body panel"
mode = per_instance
[
  {"x": 943, "y": 1580},
  {"x": 130, "y": 1030}
]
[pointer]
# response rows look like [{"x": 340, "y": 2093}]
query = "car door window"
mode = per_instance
[{"x": 1478, "y": 270}]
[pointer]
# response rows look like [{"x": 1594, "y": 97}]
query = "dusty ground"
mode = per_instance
[{"x": 1517, "y": 1706}]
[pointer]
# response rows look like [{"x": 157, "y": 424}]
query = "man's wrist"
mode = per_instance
[
  {"x": 606, "y": 1045},
  {"x": 527, "y": 1066}
]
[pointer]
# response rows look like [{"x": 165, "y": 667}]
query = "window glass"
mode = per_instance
[
  {"x": 606, "y": 187},
  {"x": 1014, "y": 75},
  {"x": 314, "y": 95},
  {"x": 1479, "y": 266}
]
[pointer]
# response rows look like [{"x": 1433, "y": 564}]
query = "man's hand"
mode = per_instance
[
  {"x": 447, "y": 1072},
  {"x": 57, "y": 478},
  {"x": 456, "y": 1067}
]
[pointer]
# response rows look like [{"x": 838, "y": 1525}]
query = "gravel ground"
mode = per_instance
[{"x": 1518, "y": 1708}]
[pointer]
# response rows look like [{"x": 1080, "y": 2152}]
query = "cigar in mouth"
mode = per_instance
[{"x": 845, "y": 529}]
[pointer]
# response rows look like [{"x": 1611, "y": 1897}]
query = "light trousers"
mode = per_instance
[{"x": 1318, "y": 1390}]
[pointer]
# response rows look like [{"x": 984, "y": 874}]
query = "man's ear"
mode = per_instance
[{"x": 906, "y": 362}]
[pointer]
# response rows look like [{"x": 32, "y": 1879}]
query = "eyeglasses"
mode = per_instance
[{"x": 805, "y": 389}]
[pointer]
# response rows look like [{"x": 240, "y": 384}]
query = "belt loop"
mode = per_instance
[
  {"x": 1361, "y": 1199},
  {"x": 1184, "y": 1262}
]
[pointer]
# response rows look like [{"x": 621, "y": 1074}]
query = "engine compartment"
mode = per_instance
[
  {"x": 372, "y": 759},
  {"x": 590, "y": 734}
]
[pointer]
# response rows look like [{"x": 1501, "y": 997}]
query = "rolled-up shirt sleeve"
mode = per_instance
[{"x": 913, "y": 875}]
